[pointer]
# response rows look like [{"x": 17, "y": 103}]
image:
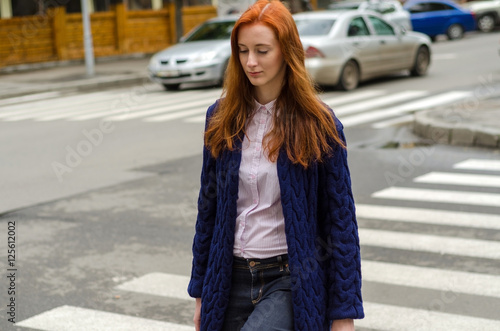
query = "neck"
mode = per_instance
[{"x": 264, "y": 96}]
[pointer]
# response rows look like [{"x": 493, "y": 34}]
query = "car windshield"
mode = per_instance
[
  {"x": 314, "y": 27},
  {"x": 212, "y": 31}
]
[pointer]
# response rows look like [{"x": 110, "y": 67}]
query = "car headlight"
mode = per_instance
[{"x": 205, "y": 56}]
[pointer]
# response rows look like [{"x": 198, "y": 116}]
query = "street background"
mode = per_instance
[{"x": 101, "y": 178}]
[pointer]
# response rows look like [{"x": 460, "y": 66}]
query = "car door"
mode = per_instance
[
  {"x": 392, "y": 51},
  {"x": 359, "y": 44},
  {"x": 429, "y": 17}
]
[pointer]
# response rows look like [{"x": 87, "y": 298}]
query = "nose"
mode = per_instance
[{"x": 251, "y": 60}]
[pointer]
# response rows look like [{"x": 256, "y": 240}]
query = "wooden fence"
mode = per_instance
[{"x": 58, "y": 36}]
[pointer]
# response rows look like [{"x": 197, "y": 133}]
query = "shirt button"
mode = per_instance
[
  {"x": 255, "y": 201},
  {"x": 257, "y": 149},
  {"x": 262, "y": 121}
]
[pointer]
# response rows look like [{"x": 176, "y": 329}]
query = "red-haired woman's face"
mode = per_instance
[{"x": 261, "y": 58}]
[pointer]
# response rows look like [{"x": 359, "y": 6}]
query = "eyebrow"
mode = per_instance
[{"x": 258, "y": 45}]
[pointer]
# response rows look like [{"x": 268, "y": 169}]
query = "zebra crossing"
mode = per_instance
[
  {"x": 472, "y": 175},
  {"x": 380, "y": 108}
]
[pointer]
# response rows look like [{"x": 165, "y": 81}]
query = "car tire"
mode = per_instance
[
  {"x": 172, "y": 87},
  {"x": 422, "y": 62},
  {"x": 455, "y": 32},
  {"x": 486, "y": 23},
  {"x": 349, "y": 76}
]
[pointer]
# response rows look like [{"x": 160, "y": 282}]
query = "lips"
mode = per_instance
[{"x": 255, "y": 73}]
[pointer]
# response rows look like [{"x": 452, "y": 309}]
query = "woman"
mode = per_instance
[{"x": 276, "y": 244}]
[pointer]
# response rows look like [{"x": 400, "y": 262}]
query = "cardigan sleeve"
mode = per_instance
[
  {"x": 207, "y": 206},
  {"x": 338, "y": 224}
]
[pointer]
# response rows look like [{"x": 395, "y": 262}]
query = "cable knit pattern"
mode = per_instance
[{"x": 321, "y": 230}]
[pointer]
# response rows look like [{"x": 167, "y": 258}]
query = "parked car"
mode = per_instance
[
  {"x": 346, "y": 47},
  {"x": 391, "y": 10},
  {"x": 437, "y": 17},
  {"x": 487, "y": 13},
  {"x": 201, "y": 56}
]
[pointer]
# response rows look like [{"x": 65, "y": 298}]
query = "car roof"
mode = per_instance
[
  {"x": 226, "y": 18},
  {"x": 334, "y": 14},
  {"x": 448, "y": 2}
]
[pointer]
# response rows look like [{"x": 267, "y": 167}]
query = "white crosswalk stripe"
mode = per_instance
[
  {"x": 397, "y": 318},
  {"x": 444, "y": 196},
  {"x": 378, "y": 114},
  {"x": 380, "y": 108},
  {"x": 378, "y": 102},
  {"x": 168, "y": 285},
  {"x": 431, "y": 278},
  {"x": 380, "y": 315},
  {"x": 430, "y": 243},
  {"x": 30, "y": 97},
  {"x": 428, "y": 216},
  {"x": 459, "y": 179},
  {"x": 474, "y": 164},
  {"x": 70, "y": 318}
]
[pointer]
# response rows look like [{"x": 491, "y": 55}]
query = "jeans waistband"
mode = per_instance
[{"x": 272, "y": 262}]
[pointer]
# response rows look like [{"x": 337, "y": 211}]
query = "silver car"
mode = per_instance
[
  {"x": 346, "y": 47},
  {"x": 201, "y": 56}
]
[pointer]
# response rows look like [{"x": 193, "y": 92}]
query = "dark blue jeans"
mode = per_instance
[{"x": 261, "y": 297}]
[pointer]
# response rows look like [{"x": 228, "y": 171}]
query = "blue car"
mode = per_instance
[{"x": 438, "y": 17}]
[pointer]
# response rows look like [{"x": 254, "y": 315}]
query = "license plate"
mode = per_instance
[{"x": 169, "y": 73}]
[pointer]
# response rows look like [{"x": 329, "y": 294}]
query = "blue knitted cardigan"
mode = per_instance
[{"x": 321, "y": 232}]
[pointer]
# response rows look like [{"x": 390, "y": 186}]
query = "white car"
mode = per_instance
[
  {"x": 346, "y": 47},
  {"x": 391, "y": 10}
]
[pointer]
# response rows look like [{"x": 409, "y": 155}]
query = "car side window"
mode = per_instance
[
  {"x": 381, "y": 28},
  {"x": 357, "y": 27},
  {"x": 419, "y": 8},
  {"x": 433, "y": 6}
]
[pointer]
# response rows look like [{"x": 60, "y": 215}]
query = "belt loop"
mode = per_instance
[{"x": 280, "y": 261}]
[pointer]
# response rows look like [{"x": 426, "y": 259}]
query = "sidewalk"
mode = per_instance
[
  {"x": 31, "y": 79},
  {"x": 474, "y": 122},
  {"x": 468, "y": 123}
]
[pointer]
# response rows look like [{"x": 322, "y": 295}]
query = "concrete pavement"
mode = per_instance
[
  {"x": 39, "y": 78},
  {"x": 473, "y": 122}
]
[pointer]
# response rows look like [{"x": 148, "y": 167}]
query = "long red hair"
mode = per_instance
[{"x": 302, "y": 125}]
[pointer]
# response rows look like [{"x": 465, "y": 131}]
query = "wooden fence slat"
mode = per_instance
[{"x": 59, "y": 35}]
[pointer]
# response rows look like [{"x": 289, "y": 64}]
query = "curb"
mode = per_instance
[
  {"x": 82, "y": 85},
  {"x": 68, "y": 63},
  {"x": 429, "y": 125}
]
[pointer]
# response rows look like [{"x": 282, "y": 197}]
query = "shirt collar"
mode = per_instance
[{"x": 269, "y": 107}]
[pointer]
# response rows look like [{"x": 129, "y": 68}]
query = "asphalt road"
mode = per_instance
[{"x": 98, "y": 203}]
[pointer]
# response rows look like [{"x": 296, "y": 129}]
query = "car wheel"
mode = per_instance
[
  {"x": 455, "y": 31},
  {"x": 349, "y": 77},
  {"x": 171, "y": 87},
  {"x": 422, "y": 61},
  {"x": 486, "y": 23}
]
